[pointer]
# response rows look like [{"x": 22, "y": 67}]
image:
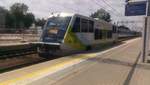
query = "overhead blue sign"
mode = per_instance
[{"x": 135, "y": 8}]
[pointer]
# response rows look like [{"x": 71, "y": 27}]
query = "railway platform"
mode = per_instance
[
  {"x": 120, "y": 65},
  {"x": 12, "y": 44}
]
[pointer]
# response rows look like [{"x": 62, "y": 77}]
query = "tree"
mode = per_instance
[
  {"x": 3, "y": 13},
  {"x": 19, "y": 8},
  {"x": 28, "y": 20},
  {"x": 3, "y": 10},
  {"x": 40, "y": 22},
  {"x": 9, "y": 21},
  {"x": 18, "y": 11},
  {"x": 101, "y": 14},
  {"x": 19, "y": 16}
]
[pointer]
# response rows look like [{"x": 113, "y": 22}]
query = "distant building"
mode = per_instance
[{"x": 2, "y": 17}]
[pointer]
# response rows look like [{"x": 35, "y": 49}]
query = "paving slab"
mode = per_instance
[{"x": 120, "y": 65}]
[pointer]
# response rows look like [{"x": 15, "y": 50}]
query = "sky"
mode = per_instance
[{"x": 43, "y": 8}]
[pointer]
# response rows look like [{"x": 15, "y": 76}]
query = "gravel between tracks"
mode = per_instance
[{"x": 12, "y": 62}]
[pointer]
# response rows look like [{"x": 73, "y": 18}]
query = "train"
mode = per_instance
[
  {"x": 125, "y": 32},
  {"x": 66, "y": 33}
]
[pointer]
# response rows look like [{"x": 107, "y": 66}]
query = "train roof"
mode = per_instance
[{"x": 65, "y": 14}]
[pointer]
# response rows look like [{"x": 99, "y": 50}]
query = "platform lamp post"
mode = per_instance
[
  {"x": 134, "y": 8},
  {"x": 146, "y": 34}
]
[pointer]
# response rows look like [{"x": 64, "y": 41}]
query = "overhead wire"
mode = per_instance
[
  {"x": 100, "y": 5},
  {"x": 104, "y": 1}
]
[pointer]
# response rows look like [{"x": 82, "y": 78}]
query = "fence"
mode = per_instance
[{"x": 19, "y": 35}]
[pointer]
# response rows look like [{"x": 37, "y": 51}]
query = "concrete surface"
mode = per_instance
[{"x": 120, "y": 65}]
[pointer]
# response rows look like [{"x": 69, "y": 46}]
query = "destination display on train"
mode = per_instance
[{"x": 53, "y": 30}]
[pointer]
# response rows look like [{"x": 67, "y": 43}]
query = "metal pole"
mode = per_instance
[
  {"x": 144, "y": 40},
  {"x": 146, "y": 34}
]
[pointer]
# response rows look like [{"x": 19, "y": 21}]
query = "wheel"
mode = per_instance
[
  {"x": 88, "y": 48},
  {"x": 44, "y": 55}
]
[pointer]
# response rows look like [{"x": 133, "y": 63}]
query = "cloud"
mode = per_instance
[{"x": 41, "y": 8}]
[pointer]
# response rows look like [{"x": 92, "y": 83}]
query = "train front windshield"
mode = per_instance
[{"x": 55, "y": 29}]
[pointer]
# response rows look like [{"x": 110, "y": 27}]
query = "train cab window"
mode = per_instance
[
  {"x": 84, "y": 25},
  {"x": 76, "y": 26},
  {"x": 91, "y": 26}
]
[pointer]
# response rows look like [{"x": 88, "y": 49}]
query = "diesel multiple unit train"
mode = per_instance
[{"x": 68, "y": 33}]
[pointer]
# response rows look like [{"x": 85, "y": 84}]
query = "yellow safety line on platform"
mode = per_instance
[{"x": 47, "y": 70}]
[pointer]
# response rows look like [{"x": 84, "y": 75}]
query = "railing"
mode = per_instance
[
  {"x": 19, "y": 35},
  {"x": 15, "y": 51}
]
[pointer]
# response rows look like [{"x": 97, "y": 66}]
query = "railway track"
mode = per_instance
[
  {"x": 10, "y": 64},
  {"x": 5, "y": 52},
  {"x": 23, "y": 56},
  {"x": 19, "y": 56}
]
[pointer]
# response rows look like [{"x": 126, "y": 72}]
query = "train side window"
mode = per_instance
[
  {"x": 91, "y": 26},
  {"x": 114, "y": 29},
  {"x": 76, "y": 26},
  {"x": 104, "y": 33},
  {"x": 84, "y": 25},
  {"x": 98, "y": 34},
  {"x": 109, "y": 34}
]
